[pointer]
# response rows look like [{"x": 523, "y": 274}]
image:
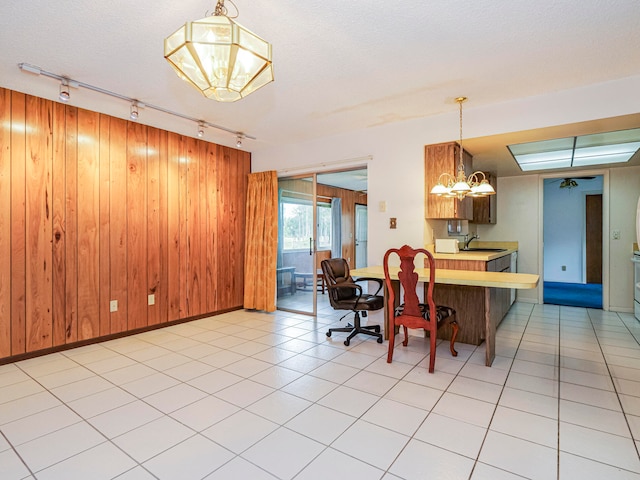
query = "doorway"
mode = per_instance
[{"x": 573, "y": 241}]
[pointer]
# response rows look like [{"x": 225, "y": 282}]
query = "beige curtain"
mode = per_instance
[{"x": 261, "y": 242}]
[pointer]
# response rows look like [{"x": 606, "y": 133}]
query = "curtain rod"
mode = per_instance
[{"x": 366, "y": 158}]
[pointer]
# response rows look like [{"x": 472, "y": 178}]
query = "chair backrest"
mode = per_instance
[
  {"x": 336, "y": 271},
  {"x": 409, "y": 279}
]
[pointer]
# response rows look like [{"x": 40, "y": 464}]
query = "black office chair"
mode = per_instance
[{"x": 345, "y": 294}]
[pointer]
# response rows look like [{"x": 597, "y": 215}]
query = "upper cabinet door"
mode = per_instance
[{"x": 438, "y": 159}]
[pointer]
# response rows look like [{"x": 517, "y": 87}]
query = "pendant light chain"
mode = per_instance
[{"x": 460, "y": 100}]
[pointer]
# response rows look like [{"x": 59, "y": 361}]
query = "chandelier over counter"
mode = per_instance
[
  {"x": 460, "y": 186},
  {"x": 219, "y": 57}
]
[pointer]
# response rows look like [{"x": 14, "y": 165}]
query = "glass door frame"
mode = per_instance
[{"x": 313, "y": 244}]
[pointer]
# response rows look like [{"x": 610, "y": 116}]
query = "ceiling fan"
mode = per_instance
[{"x": 570, "y": 182}]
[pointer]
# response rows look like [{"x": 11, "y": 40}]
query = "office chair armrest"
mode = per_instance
[
  {"x": 370, "y": 279},
  {"x": 348, "y": 285}
]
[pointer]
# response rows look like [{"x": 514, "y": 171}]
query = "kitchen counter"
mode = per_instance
[
  {"x": 510, "y": 247},
  {"x": 482, "y": 282}
]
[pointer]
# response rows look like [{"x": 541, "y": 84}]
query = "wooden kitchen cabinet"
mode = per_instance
[
  {"x": 484, "y": 208},
  {"x": 440, "y": 158}
]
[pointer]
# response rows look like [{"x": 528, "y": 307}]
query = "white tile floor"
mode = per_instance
[{"x": 256, "y": 396}]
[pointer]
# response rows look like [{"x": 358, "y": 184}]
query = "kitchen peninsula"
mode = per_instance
[{"x": 482, "y": 284}]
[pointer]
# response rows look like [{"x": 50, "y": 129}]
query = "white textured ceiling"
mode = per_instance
[{"x": 339, "y": 65}]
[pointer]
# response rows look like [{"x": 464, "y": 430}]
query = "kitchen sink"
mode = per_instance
[{"x": 484, "y": 250}]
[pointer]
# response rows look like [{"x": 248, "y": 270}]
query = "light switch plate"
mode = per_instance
[
  {"x": 151, "y": 299},
  {"x": 113, "y": 306}
]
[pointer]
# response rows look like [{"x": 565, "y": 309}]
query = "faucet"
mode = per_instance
[{"x": 468, "y": 240}]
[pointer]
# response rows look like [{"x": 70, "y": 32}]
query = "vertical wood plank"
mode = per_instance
[
  {"x": 5, "y": 222},
  {"x": 235, "y": 257},
  {"x": 212, "y": 227},
  {"x": 88, "y": 225},
  {"x": 39, "y": 292},
  {"x": 183, "y": 166},
  {"x": 153, "y": 223},
  {"x": 137, "y": 224},
  {"x": 174, "y": 153},
  {"x": 204, "y": 233},
  {"x": 193, "y": 228},
  {"x": 118, "y": 223},
  {"x": 18, "y": 225},
  {"x": 224, "y": 223},
  {"x": 71, "y": 224},
  {"x": 105, "y": 225},
  {"x": 162, "y": 299},
  {"x": 58, "y": 225},
  {"x": 244, "y": 168}
]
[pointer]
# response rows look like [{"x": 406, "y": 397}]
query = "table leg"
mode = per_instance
[{"x": 490, "y": 329}]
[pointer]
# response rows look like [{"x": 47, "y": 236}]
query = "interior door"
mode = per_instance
[
  {"x": 361, "y": 236},
  {"x": 297, "y": 231},
  {"x": 594, "y": 238}
]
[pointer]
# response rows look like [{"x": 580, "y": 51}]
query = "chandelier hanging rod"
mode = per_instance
[{"x": 26, "y": 67}]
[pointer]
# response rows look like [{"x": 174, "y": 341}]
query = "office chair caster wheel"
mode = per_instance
[
  {"x": 328, "y": 334},
  {"x": 379, "y": 339},
  {"x": 346, "y": 342}
]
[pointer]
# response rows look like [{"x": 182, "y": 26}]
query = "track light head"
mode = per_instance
[
  {"x": 239, "y": 141},
  {"x": 133, "y": 115},
  {"x": 64, "y": 94},
  {"x": 200, "y": 129}
]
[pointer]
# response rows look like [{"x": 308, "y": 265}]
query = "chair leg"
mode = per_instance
[
  {"x": 405, "y": 342},
  {"x": 454, "y": 334},
  {"x": 433, "y": 333},
  {"x": 373, "y": 330}
]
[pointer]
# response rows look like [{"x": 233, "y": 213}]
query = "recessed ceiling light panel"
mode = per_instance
[{"x": 584, "y": 151}]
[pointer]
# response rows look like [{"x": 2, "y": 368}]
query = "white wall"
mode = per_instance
[
  {"x": 396, "y": 168},
  {"x": 518, "y": 217},
  {"x": 564, "y": 229}
]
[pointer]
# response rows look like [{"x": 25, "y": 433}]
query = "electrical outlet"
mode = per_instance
[
  {"x": 564, "y": 268},
  {"x": 113, "y": 306},
  {"x": 615, "y": 234},
  {"x": 151, "y": 299}
]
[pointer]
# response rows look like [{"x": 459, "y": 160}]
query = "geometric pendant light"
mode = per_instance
[{"x": 219, "y": 57}]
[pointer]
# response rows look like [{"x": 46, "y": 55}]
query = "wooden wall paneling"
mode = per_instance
[
  {"x": 224, "y": 274},
  {"x": 183, "y": 199},
  {"x": 58, "y": 225},
  {"x": 153, "y": 223},
  {"x": 193, "y": 228},
  {"x": 5, "y": 222},
  {"x": 118, "y": 273},
  {"x": 71, "y": 224},
  {"x": 38, "y": 171},
  {"x": 163, "y": 225},
  {"x": 18, "y": 225},
  {"x": 104, "y": 201},
  {"x": 174, "y": 146},
  {"x": 212, "y": 227},
  {"x": 137, "y": 225},
  {"x": 88, "y": 224}
]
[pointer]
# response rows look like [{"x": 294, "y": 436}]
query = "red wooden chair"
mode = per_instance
[{"x": 411, "y": 313}]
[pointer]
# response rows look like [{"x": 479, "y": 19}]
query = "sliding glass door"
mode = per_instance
[{"x": 297, "y": 244}]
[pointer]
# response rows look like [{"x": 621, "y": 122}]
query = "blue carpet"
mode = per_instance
[{"x": 573, "y": 294}]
